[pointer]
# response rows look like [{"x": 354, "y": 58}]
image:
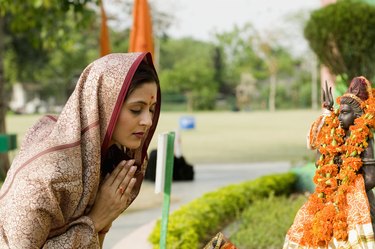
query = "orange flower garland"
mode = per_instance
[{"x": 328, "y": 203}]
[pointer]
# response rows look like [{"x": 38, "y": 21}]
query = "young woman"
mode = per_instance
[{"x": 76, "y": 173}]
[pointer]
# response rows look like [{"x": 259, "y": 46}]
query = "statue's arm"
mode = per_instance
[{"x": 368, "y": 167}]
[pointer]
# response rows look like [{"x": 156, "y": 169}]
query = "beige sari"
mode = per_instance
[{"x": 52, "y": 183}]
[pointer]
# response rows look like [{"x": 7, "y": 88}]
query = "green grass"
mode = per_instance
[
  {"x": 264, "y": 224},
  {"x": 227, "y": 137}
]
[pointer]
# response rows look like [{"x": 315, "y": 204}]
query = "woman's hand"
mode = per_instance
[{"x": 113, "y": 195}]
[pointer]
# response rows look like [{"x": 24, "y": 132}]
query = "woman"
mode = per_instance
[
  {"x": 339, "y": 214},
  {"x": 78, "y": 172}
]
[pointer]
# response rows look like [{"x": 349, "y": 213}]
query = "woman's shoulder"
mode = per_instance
[{"x": 39, "y": 130}]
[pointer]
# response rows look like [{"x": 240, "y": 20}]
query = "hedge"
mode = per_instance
[{"x": 195, "y": 222}]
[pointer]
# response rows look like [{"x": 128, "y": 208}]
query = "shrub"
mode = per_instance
[
  {"x": 264, "y": 224},
  {"x": 194, "y": 223}
]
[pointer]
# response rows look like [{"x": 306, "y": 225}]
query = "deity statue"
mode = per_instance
[{"x": 341, "y": 211}]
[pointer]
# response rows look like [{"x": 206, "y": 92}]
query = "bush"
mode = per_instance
[
  {"x": 194, "y": 223},
  {"x": 264, "y": 224}
]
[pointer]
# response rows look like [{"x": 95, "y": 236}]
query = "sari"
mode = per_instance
[{"x": 53, "y": 181}]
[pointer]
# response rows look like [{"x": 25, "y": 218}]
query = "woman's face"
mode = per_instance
[
  {"x": 346, "y": 116},
  {"x": 135, "y": 116}
]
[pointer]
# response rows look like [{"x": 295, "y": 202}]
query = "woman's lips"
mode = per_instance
[{"x": 139, "y": 134}]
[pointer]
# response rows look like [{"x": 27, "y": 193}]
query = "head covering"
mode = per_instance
[{"x": 64, "y": 153}]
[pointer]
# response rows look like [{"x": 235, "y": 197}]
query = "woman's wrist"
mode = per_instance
[{"x": 98, "y": 227}]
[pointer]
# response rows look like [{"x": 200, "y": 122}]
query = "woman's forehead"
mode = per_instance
[{"x": 146, "y": 92}]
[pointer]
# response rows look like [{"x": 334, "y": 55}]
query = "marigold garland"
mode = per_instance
[{"x": 328, "y": 203}]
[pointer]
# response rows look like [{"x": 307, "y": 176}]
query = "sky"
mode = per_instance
[{"x": 200, "y": 18}]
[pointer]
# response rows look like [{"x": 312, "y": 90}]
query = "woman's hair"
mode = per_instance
[{"x": 144, "y": 74}]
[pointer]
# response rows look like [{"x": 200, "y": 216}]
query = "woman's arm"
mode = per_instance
[
  {"x": 31, "y": 213},
  {"x": 28, "y": 217}
]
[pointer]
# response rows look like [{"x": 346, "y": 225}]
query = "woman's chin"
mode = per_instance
[{"x": 133, "y": 146}]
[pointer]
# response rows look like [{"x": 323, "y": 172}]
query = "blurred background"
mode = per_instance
[
  {"x": 241, "y": 79},
  {"x": 248, "y": 65}
]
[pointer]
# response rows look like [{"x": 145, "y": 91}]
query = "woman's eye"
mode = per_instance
[{"x": 135, "y": 111}]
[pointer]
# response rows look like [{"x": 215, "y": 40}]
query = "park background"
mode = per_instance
[{"x": 252, "y": 90}]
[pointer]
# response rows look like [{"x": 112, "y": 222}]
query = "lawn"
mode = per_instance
[{"x": 227, "y": 137}]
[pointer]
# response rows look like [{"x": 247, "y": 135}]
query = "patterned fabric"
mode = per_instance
[
  {"x": 360, "y": 233},
  {"x": 312, "y": 136},
  {"x": 53, "y": 181}
]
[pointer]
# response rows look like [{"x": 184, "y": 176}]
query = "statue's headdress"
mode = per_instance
[{"x": 359, "y": 90}]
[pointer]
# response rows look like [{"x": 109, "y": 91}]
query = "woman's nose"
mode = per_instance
[{"x": 147, "y": 119}]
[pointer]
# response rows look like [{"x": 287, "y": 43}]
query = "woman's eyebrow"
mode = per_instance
[{"x": 140, "y": 102}]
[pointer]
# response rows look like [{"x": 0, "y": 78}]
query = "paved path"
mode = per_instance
[{"x": 133, "y": 227}]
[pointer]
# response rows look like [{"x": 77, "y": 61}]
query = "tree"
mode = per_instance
[
  {"x": 244, "y": 51},
  {"x": 187, "y": 67},
  {"x": 239, "y": 56},
  {"x": 30, "y": 30},
  {"x": 342, "y": 35}
]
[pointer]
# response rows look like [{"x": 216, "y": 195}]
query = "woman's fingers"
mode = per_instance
[
  {"x": 127, "y": 194},
  {"x": 114, "y": 195},
  {"x": 115, "y": 172},
  {"x": 119, "y": 173},
  {"x": 125, "y": 170},
  {"x": 127, "y": 179}
]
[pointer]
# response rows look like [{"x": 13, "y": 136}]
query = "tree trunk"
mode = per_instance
[
  {"x": 4, "y": 159},
  {"x": 190, "y": 101},
  {"x": 272, "y": 98},
  {"x": 314, "y": 85}
]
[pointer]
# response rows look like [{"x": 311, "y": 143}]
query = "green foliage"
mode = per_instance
[
  {"x": 35, "y": 29},
  {"x": 194, "y": 223},
  {"x": 238, "y": 55},
  {"x": 243, "y": 51},
  {"x": 342, "y": 35},
  {"x": 294, "y": 93},
  {"x": 51, "y": 47},
  {"x": 205, "y": 98},
  {"x": 264, "y": 224},
  {"x": 187, "y": 67}
]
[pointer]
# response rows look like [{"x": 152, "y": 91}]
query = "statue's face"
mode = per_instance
[{"x": 346, "y": 116}]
